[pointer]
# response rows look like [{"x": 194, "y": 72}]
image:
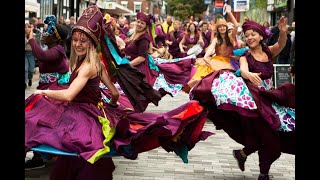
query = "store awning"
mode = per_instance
[
  {"x": 113, "y": 8},
  {"x": 32, "y": 6}
]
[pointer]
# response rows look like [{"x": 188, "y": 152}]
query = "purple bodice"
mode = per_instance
[
  {"x": 266, "y": 68},
  {"x": 175, "y": 37},
  {"x": 137, "y": 47},
  {"x": 191, "y": 41},
  {"x": 90, "y": 92}
]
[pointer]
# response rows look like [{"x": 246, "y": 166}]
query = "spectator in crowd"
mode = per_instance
[
  {"x": 293, "y": 32},
  {"x": 167, "y": 25},
  {"x": 284, "y": 55},
  {"x": 206, "y": 34},
  {"x": 72, "y": 21},
  {"x": 293, "y": 58},
  {"x": 29, "y": 59},
  {"x": 40, "y": 23},
  {"x": 123, "y": 25},
  {"x": 61, "y": 20}
]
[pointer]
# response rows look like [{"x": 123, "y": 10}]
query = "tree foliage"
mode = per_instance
[
  {"x": 258, "y": 3},
  {"x": 182, "y": 9},
  {"x": 182, "y": 12},
  {"x": 198, "y": 6}
]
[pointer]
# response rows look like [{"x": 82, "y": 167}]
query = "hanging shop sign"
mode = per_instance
[
  {"x": 207, "y": 2},
  {"x": 218, "y": 4},
  {"x": 280, "y": 3},
  {"x": 241, "y": 5}
]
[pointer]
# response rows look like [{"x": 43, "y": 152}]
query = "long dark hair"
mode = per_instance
[
  {"x": 196, "y": 31},
  {"x": 220, "y": 39}
]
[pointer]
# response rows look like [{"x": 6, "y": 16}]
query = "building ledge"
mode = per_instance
[
  {"x": 32, "y": 6},
  {"x": 114, "y": 8}
]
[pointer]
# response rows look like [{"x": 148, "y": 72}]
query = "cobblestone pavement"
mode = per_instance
[{"x": 211, "y": 159}]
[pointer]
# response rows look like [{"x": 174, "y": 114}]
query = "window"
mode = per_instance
[
  {"x": 124, "y": 4},
  {"x": 137, "y": 7}
]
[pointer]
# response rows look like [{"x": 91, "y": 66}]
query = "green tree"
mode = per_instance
[
  {"x": 257, "y": 11},
  {"x": 198, "y": 6},
  {"x": 182, "y": 12},
  {"x": 182, "y": 9},
  {"x": 258, "y": 3}
]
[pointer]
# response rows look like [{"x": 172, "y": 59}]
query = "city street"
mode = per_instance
[{"x": 211, "y": 159}]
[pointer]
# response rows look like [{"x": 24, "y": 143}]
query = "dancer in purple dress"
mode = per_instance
[
  {"x": 53, "y": 66},
  {"x": 173, "y": 39},
  {"x": 76, "y": 120},
  {"x": 70, "y": 119},
  {"x": 166, "y": 76},
  {"x": 219, "y": 53},
  {"x": 53, "y": 62},
  {"x": 245, "y": 104},
  {"x": 191, "y": 38}
]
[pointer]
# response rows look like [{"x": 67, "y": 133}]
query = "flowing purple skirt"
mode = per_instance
[
  {"x": 173, "y": 130},
  {"x": 70, "y": 127},
  {"x": 74, "y": 127},
  {"x": 249, "y": 127}
]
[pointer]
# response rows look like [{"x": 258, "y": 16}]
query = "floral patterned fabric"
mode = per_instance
[
  {"x": 230, "y": 89},
  {"x": 286, "y": 116},
  {"x": 172, "y": 89},
  {"x": 52, "y": 77}
]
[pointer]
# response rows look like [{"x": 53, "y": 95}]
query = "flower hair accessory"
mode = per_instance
[
  {"x": 51, "y": 29},
  {"x": 268, "y": 32},
  {"x": 152, "y": 19}
]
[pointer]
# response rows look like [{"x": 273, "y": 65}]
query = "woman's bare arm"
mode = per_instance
[
  {"x": 85, "y": 73},
  {"x": 282, "y": 40},
  {"x": 211, "y": 48}
]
